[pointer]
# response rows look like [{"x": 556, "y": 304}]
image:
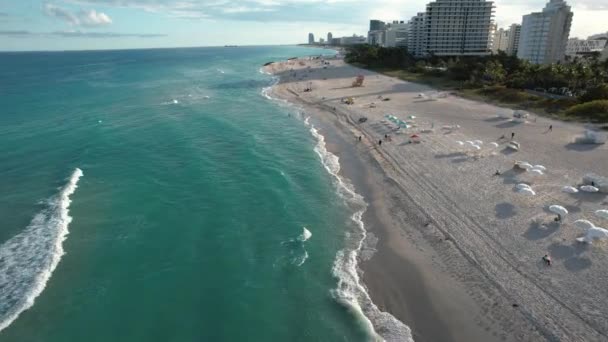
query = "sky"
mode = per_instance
[{"x": 121, "y": 24}]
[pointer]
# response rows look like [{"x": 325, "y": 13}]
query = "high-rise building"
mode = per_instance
[
  {"x": 584, "y": 47},
  {"x": 376, "y": 25},
  {"x": 396, "y": 34},
  {"x": 458, "y": 27},
  {"x": 513, "y": 43},
  {"x": 329, "y": 37},
  {"x": 375, "y": 35},
  {"x": 416, "y": 36},
  {"x": 544, "y": 35},
  {"x": 311, "y": 38},
  {"x": 353, "y": 40},
  {"x": 500, "y": 42}
]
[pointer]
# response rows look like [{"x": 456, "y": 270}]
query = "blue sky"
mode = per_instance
[{"x": 115, "y": 24}]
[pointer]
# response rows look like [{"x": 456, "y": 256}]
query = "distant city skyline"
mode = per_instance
[{"x": 119, "y": 24}]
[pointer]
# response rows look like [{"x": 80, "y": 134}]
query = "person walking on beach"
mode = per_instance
[
  {"x": 359, "y": 138},
  {"x": 512, "y": 135},
  {"x": 550, "y": 128},
  {"x": 380, "y": 142},
  {"x": 547, "y": 259}
]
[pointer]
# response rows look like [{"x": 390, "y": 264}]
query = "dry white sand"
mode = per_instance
[{"x": 448, "y": 225}]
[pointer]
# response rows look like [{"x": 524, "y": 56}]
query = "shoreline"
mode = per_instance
[{"x": 457, "y": 256}]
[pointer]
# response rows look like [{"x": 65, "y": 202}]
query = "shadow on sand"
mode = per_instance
[
  {"x": 571, "y": 255},
  {"x": 581, "y": 147},
  {"x": 504, "y": 210},
  {"x": 538, "y": 231}
]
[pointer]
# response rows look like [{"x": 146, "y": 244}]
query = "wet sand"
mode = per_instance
[{"x": 458, "y": 252}]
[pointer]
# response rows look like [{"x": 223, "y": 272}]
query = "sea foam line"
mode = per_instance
[
  {"x": 350, "y": 291},
  {"x": 28, "y": 259}
]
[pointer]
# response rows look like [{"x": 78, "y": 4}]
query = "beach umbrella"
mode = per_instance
[
  {"x": 559, "y": 210},
  {"x": 595, "y": 233},
  {"x": 589, "y": 188},
  {"x": 494, "y": 144},
  {"x": 460, "y": 143},
  {"x": 536, "y": 172},
  {"x": 603, "y": 213},
  {"x": 540, "y": 167},
  {"x": 478, "y": 142},
  {"x": 527, "y": 191},
  {"x": 522, "y": 186},
  {"x": 569, "y": 189},
  {"x": 476, "y": 147},
  {"x": 583, "y": 224},
  {"x": 525, "y": 165}
]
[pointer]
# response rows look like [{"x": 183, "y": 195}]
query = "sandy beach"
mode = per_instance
[{"x": 458, "y": 256}]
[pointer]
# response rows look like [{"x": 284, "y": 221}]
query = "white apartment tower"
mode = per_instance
[
  {"x": 459, "y": 27},
  {"x": 544, "y": 35},
  {"x": 513, "y": 43},
  {"x": 500, "y": 41},
  {"x": 416, "y": 35},
  {"x": 311, "y": 38}
]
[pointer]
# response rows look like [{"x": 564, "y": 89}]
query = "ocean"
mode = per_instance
[{"x": 163, "y": 195}]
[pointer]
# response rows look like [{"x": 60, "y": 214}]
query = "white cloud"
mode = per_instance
[
  {"x": 88, "y": 18},
  {"x": 588, "y": 14}
]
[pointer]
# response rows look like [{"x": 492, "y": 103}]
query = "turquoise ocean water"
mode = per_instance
[{"x": 193, "y": 207}]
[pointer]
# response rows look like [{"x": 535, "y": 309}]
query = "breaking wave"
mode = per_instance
[
  {"x": 350, "y": 291},
  {"x": 28, "y": 259}
]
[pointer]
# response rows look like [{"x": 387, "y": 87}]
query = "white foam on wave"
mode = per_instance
[
  {"x": 28, "y": 259},
  {"x": 306, "y": 234},
  {"x": 266, "y": 90},
  {"x": 351, "y": 292}
]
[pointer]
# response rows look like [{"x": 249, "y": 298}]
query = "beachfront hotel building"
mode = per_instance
[
  {"x": 311, "y": 38},
  {"x": 396, "y": 34},
  {"x": 416, "y": 35},
  {"x": 513, "y": 43},
  {"x": 544, "y": 35},
  {"x": 584, "y": 47},
  {"x": 458, "y": 27},
  {"x": 330, "y": 37},
  {"x": 500, "y": 41},
  {"x": 506, "y": 40}
]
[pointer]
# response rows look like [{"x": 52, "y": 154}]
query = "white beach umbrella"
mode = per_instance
[
  {"x": 595, "y": 233},
  {"x": 476, "y": 147},
  {"x": 527, "y": 191},
  {"x": 558, "y": 209},
  {"x": 522, "y": 186},
  {"x": 460, "y": 143},
  {"x": 569, "y": 189},
  {"x": 540, "y": 167},
  {"x": 584, "y": 224},
  {"x": 589, "y": 188},
  {"x": 525, "y": 165},
  {"x": 494, "y": 144},
  {"x": 478, "y": 142},
  {"x": 603, "y": 213},
  {"x": 470, "y": 142},
  {"x": 536, "y": 172}
]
